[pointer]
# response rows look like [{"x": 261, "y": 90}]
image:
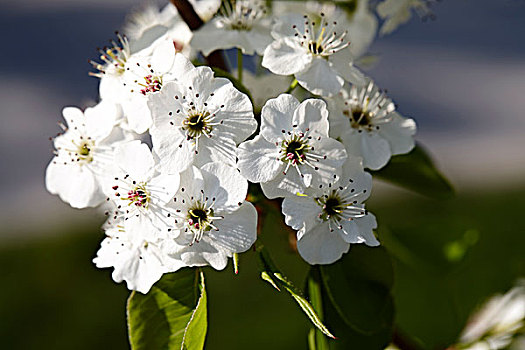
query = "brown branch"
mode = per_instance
[{"x": 192, "y": 19}]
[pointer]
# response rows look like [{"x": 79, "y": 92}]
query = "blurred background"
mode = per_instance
[{"x": 461, "y": 77}]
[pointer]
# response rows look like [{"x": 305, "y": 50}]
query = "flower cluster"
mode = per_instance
[{"x": 170, "y": 148}]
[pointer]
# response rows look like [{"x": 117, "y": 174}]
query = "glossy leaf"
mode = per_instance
[
  {"x": 356, "y": 300},
  {"x": 173, "y": 315},
  {"x": 416, "y": 171},
  {"x": 358, "y": 286}
]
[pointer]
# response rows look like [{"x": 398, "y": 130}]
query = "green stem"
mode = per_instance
[
  {"x": 239, "y": 65},
  {"x": 317, "y": 340},
  {"x": 293, "y": 85}
]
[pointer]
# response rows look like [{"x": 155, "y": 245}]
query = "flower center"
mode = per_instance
[
  {"x": 359, "y": 118},
  {"x": 319, "y": 36},
  {"x": 243, "y": 14},
  {"x": 333, "y": 206},
  {"x": 113, "y": 58},
  {"x": 294, "y": 150},
  {"x": 84, "y": 152},
  {"x": 315, "y": 48},
  {"x": 200, "y": 220},
  {"x": 152, "y": 84},
  {"x": 138, "y": 196},
  {"x": 197, "y": 124}
]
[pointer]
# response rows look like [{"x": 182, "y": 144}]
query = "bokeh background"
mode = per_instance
[{"x": 462, "y": 77}]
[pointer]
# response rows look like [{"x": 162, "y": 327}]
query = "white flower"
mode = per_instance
[
  {"x": 136, "y": 188},
  {"x": 212, "y": 220},
  {"x": 150, "y": 23},
  {"x": 365, "y": 119},
  {"x": 133, "y": 248},
  {"x": 242, "y": 24},
  {"x": 316, "y": 52},
  {"x": 497, "y": 322},
  {"x": 398, "y": 12},
  {"x": 361, "y": 22},
  {"x": 199, "y": 119},
  {"x": 84, "y": 154},
  {"x": 293, "y": 150},
  {"x": 148, "y": 16},
  {"x": 332, "y": 216},
  {"x": 128, "y": 78}
]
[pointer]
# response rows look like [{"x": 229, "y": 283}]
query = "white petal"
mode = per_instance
[
  {"x": 320, "y": 246},
  {"x": 282, "y": 185},
  {"x": 181, "y": 66},
  {"x": 399, "y": 134},
  {"x": 342, "y": 64},
  {"x": 237, "y": 113},
  {"x": 276, "y": 116},
  {"x": 285, "y": 57},
  {"x": 312, "y": 114},
  {"x": 374, "y": 149},
  {"x": 205, "y": 253},
  {"x": 212, "y": 36},
  {"x": 237, "y": 231},
  {"x": 232, "y": 187},
  {"x": 220, "y": 148},
  {"x": 135, "y": 159},
  {"x": 297, "y": 210},
  {"x": 361, "y": 180},
  {"x": 163, "y": 56},
  {"x": 258, "y": 160},
  {"x": 339, "y": 123},
  {"x": 259, "y": 38},
  {"x": 326, "y": 168},
  {"x": 360, "y": 230},
  {"x": 320, "y": 78},
  {"x": 74, "y": 184},
  {"x": 73, "y": 116},
  {"x": 111, "y": 88},
  {"x": 362, "y": 30},
  {"x": 176, "y": 153},
  {"x": 164, "y": 186},
  {"x": 138, "y": 114},
  {"x": 101, "y": 119}
]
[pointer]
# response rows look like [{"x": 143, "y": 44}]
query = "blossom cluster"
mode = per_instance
[{"x": 170, "y": 148}]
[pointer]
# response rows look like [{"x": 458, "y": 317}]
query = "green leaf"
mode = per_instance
[
  {"x": 416, "y": 171},
  {"x": 355, "y": 298},
  {"x": 272, "y": 275},
  {"x": 173, "y": 315},
  {"x": 358, "y": 286}
]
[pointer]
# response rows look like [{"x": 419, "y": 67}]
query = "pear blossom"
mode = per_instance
[
  {"x": 293, "y": 150},
  {"x": 497, "y": 322},
  {"x": 153, "y": 22},
  {"x": 316, "y": 50},
  {"x": 211, "y": 219},
  {"x": 134, "y": 249},
  {"x": 199, "y": 119},
  {"x": 128, "y": 79},
  {"x": 365, "y": 120},
  {"x": 360, "y": 21},
  {"x": 398, "y": 12},
  {"x": 83, "y": 154},
  {"x": 136, "y": 188},
  {"x": 243, "y": 24},
  {"x": 332, "y": 216}
]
